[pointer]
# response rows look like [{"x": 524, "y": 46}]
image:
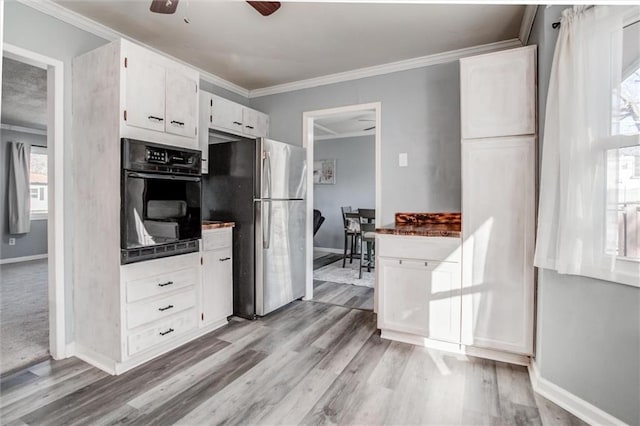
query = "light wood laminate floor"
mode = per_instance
[{"x": 308, "y": 363}]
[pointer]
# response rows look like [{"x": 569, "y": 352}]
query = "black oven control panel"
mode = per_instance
[{"x": 153, "y": 157}]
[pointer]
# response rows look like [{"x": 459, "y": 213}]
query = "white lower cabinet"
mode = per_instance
[
  {"x": 419, "y": 286},
  {"x": 217, "y": 276}
]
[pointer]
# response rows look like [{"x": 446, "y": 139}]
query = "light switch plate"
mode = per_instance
[{"x": 403, "y": 160}]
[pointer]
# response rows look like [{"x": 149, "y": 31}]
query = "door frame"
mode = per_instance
[
  {"x": 308, "y": 118},
  {"x": 55, "y": 170}
]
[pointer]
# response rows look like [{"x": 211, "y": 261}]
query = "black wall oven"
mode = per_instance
[{"x": 161, "y": 198}]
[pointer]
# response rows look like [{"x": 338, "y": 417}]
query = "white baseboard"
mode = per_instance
[
  {"x": 328, "y": 250},
  {"x": 570, "y": 402},
  {"x": 456, "y": 347},
  {"x": 23, "y": 258}
]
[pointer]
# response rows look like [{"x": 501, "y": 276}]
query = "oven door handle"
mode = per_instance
[{"x": 162, "y": 176}]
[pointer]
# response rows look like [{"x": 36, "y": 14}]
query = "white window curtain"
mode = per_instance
[
  {"x": 572, "y": 210},
  {"x": 18, "y": 191}
]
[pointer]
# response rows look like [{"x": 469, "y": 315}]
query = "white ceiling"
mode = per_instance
[
  {"x": 351, "y": 124},
  {"x": 302, "y": 40}
]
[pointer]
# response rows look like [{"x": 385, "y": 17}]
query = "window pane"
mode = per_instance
[
  {"x": 623, "y": 202},
  {"x": 38, "y": 180},
  {"x": 626, "y": 103}
]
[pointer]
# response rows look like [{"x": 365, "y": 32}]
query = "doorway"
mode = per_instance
[
  {"x": 32, "y": 296},
  {"x": 343, "y": 154}
]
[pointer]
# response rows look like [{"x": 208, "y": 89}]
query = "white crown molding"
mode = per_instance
[
  {"x": 527, "y": 23},
  {"x": 345, "y": 135},
  {"x": 570, "y": 402},
  {"x": 57, "y": 11},
  {"x": 422, "y": 61}
]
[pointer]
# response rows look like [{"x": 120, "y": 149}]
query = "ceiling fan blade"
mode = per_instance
[
  {"x": 164, "y": 6},
  {"x": 265, "y": 8}
]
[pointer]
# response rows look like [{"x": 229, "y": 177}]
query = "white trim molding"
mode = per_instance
[
  {"x": 419, "y": 62},
  {"x": 345, "y": 135},
  {"x": 527, "y": 23},
  {"x": 57, "y": 11},
  {"x": 570, "y": 402},
  {"x": 23, "y": 259}
]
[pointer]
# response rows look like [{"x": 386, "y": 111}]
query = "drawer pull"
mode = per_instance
[
  {"x": 399, "y": 261},
  {"x": 237, "y": 123},
  {"x": 165, "y": 308},
  {"x": 154, "y": 118},
  {"x": 426, "y": 263},
  {"x": 249, "y": 127},
  {"x": 171, "y": 330},
  {"x": 165, "y": 284},
  {"x": 177, "y": 123},
  {"x": 224, "y": 259}
]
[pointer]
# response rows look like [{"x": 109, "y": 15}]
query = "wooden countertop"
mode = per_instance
[
  {"x": 425, "y": 225},
  {"x": 216, "y": 224}
]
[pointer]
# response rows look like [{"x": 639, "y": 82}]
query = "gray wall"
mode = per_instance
[
  {"x": 588, "y": 330},
  {"x": 355, "y": 185},
  {"x": 35, "y": 242},
  {"x": 420, "y": 116}
]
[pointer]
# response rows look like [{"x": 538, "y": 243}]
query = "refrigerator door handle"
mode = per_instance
[
  {"x": 266, "y": 166},
  {"x": 266, "y": 225}
]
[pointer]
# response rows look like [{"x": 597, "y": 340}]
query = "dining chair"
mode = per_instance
[
  {"x": 351, "y": 236},
  {"x": 367, "y": 219}
]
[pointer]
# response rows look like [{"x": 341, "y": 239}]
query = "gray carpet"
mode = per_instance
[{"x": 24, "y": 314}]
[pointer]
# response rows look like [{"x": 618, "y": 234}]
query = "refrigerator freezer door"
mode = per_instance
[
  {"x": 284, "y": 171},
  {"x": 280, "y": 253}
]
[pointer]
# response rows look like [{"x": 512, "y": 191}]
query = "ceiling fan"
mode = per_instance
[{"x": 168, "y": 7}]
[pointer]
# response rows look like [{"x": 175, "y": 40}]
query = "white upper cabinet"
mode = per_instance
[
  {"x": 226, "y": 114},
  {"x": 160, "y": 99},
  {"x": 181, "y": 104},
  {"x": 203, "y": 132},
  {"x": 145, "y": 93},
  {"x": 498, "y": 92},
  {"x": 231, "y": 117},
  {"x": 254, "y": 122}
]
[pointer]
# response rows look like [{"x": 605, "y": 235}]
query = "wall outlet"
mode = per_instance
[{"x": 12, "y": 241}]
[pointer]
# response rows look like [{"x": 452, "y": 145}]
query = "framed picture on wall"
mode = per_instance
[{"x": 324, "y": 172}]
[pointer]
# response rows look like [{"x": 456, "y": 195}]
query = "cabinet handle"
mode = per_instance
[
  {"x": 171, "y": 330},
  {"x": 154, "y": 118},
  {"x": 426, "y": 263},
  {"x": 224, "y": 259},
  {"x": 203, "y": 159},
  {"x": 249, "y": 127},
  {"x": 165, "y": 284},
  {"x": 238, "y": 123},
  {"x": 177, "y": 123},
  {"x": 399, "y": 261},
  {"x": 165, "y": 308}
]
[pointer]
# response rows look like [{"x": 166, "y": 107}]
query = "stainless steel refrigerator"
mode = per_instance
[{"x": 261, "y": 185}]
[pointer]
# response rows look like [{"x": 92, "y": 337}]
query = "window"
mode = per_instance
[
  {"x": 38, "y": 183},
  {"x": 623, "y": 161}
]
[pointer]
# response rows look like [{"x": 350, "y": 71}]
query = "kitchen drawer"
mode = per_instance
[
  {"x": 446, "y": 249},
  {"x": 143, "y": 312},
  {"x": 216, "y": 238},
  {"x": 162, "y": 331},
  {"x": 161, "y": 284}
]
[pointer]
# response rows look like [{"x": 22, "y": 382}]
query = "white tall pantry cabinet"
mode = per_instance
[{"x": 498, "y": 104}]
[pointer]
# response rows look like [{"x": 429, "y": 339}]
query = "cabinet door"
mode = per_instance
[
  {"x": 203, "y": 128},
  {"x": 497, "y": 94},
  {"x": 217, "y": 285},
  {"x": 498, "y": 210},
  {"x": 420, "y": 297},
  {"x": 226, "y": 114},
  {"x": 262, "y": 125},
  {"x": 181, "y": 104},
  {"x": 250, "y": 121},
  {"x": 145, "y": 94}
]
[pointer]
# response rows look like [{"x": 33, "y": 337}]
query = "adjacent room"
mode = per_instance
[{"x": 24, "y": 295}]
